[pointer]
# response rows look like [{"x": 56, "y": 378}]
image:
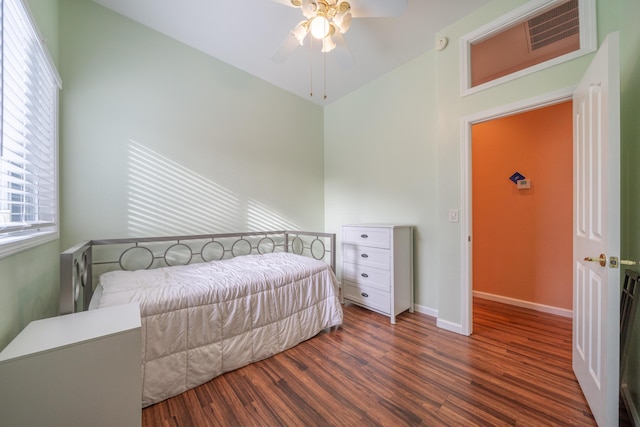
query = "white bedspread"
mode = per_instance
[{"x": 201, "y": 320}]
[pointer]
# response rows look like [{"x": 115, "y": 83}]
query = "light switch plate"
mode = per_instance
[{"x": 453, "y": 215}]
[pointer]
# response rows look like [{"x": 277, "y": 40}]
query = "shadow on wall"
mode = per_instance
[{"x": 166, "y": 198}]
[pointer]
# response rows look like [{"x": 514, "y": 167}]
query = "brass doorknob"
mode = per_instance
[
  {"x": 614, "y": 262},
  {"x": 602, "y": 260}
]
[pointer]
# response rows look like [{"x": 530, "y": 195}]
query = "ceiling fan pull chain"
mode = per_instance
[
  {"x": 324, "y": 57},
  {"x": 311, "y": 67}
]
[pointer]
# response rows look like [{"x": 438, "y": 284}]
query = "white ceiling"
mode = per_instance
[{"x": 246, "y": 33}]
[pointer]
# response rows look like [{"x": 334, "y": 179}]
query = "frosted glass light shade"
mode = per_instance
[
  {"x": 328, "y": 44},
  {"x": 343, "y": 21},
  {"x": 319, "y": 27},
  {"x": 300, "y": 32}
]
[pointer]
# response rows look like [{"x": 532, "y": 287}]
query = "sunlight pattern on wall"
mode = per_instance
[
  {"x": 261, "y": 217},
  {"x": 166, "y": 198}
]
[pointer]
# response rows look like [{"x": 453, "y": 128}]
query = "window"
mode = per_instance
[
  {"x": 538, "y": 35},
  {"x": 28, "y": 144}
]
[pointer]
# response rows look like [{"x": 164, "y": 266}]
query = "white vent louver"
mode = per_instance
[{"x": 554, "y": 25}]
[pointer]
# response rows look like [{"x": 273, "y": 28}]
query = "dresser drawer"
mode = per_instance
[
  {"x": 368, "y": 297},
  {"x": 367, "y": 236},
  {"x": 362, "y": 255},
  {"x": 368, "y": 276}
]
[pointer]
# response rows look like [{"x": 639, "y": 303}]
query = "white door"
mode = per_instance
[{"x": 596, "y": 287}]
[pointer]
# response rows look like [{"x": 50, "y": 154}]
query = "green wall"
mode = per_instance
[
  {"x": 381, "y": 161},
  {"x": 160, "y": 138}
]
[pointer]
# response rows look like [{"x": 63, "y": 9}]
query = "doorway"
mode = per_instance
[
  {"x": 597, "y": 210},
  {"x": 550, "y": 99},
  {"x": 522, "y": 205}
]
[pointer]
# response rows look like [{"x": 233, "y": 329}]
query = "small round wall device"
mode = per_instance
[{"x": 441, "y": 43}]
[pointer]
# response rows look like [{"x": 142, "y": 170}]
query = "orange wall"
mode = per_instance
[{"x": 522, "y": 239}]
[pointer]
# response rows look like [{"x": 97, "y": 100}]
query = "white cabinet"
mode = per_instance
[
  {"x": 81, "y": 369},
  {"x": 377, "y": 267}
]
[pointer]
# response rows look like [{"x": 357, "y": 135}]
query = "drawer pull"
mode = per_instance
[
  {"x": 365, "y": 295},
  {"x": 364, "y": 256},
  {"x": 364, "y": 275},
  {"x": 364, "y": 236}
]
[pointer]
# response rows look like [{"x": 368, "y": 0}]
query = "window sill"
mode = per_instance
[{"x": 11, "y": 245}]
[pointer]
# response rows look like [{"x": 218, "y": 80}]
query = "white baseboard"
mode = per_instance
[
  {"x": 525, "y": 304},
  {"x": 442, "y": 324},
  {"x": 425, "y": 310},
  {"x": 449, "y": 326}
]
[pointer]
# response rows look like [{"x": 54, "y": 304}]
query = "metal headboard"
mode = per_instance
[{"x": 85, "y": 261}]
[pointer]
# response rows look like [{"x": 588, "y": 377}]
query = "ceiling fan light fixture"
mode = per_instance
[
  {"x": 329, "y": 20},
  {"x": 319, "y": 27},
  {"x": 343, "y": 7},
  {"x": 328, "y": 44},
  {"x": 300, "y": 31},
  {"x": 309, "y": 8},
  {"x": 343, "y": 22}
]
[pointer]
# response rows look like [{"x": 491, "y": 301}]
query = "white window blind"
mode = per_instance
[{"x": 28, "y": 148}]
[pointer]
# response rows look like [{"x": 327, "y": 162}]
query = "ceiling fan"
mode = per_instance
[{"x": 328, "y": 20}]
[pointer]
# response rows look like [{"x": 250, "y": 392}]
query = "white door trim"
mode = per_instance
[{"x": 466, "y": 262}]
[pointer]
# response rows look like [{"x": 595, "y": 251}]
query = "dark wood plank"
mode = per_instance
[{"x": 514, "y": 370}]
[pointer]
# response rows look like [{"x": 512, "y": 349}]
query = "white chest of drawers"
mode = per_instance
[{"x": 377, "y": 267}]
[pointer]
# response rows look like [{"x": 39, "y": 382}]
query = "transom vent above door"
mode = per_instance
[{"x": 556, "y": 24}]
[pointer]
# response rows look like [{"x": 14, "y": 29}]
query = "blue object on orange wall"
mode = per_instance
[{"x": 516, "y": 177}]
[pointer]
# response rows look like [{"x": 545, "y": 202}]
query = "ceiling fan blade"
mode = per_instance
[
  {"x": 285, "y": 2},
  {"x": 286, "y": 48},
  {"x": 377, "y": 8},
  {"x": 342, "y": 51}
]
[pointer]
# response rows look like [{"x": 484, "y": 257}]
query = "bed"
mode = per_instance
[{"x": 209, "y": 304}]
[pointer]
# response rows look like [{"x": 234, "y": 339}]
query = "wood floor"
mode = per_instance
[{"x": 514, "y": 370}]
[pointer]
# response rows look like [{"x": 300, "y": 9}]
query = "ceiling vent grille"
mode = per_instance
[{"x": 556, "y": 24}]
